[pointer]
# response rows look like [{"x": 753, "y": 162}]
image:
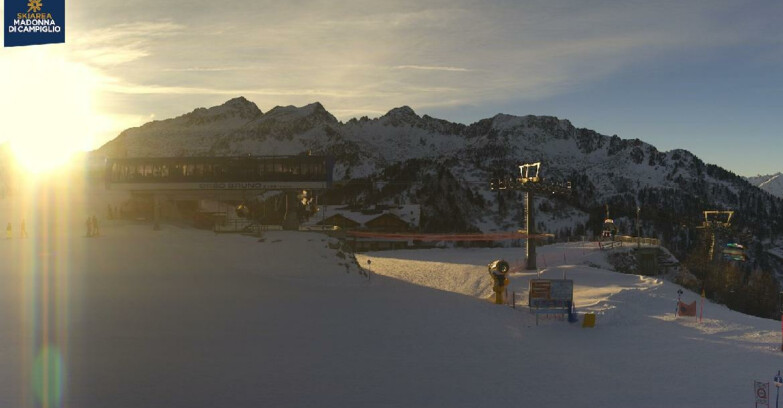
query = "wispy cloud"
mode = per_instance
[
  {"x": 136, "y": 89},
  {"x": 367, "y": 58},
  {"x": 212, "y": 69},
  {"x": 433, "y": 68},
  {"x": 121, "y": 43}
]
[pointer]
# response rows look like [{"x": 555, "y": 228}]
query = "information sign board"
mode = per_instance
[
  {"x": 539, "y": 289},
  {"x": 562, "y": 289},
  {"x": 762, "y": 393},
  {"x": 542, "y": 290}
]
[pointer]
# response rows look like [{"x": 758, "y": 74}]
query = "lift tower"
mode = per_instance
[
  {"x": 531, "y": 183},
  {"x": 716, "y": 222}
]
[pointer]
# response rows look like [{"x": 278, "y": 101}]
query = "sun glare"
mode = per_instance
[{"x": 47, "y": 108}]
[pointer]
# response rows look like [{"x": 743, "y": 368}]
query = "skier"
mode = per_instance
[{"x": 8, "y": 231}]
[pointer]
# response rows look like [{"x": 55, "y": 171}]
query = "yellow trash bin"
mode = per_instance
[{"x": 589, "y": 320}]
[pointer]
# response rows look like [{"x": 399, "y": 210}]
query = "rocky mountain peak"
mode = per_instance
[
  {"x": 400, "y": 116},
  {"x": 313, "y": 112},
  {"x": 404, "y": 110},
  {"x": 243, "y": 105},
  {"x": 233, "y": 108},
  {"x": 772, "y": 183},
  {"x": 401, "y": 112}
]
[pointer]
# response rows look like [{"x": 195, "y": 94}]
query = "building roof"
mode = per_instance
[
  {"x": 410, "y": 213},
  {"x": 339, "y": 220}
]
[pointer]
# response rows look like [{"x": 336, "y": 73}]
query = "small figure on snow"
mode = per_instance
[{"x": 8, "y": 231}]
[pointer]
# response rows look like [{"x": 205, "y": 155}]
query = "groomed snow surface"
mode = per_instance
[{"x": 187, "y": 318}]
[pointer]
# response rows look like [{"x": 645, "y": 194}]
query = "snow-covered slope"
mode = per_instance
[
  {"x": 772, "y": 184},
  {"x": 182, "y": 317},
  {"x": 638, "y": 355}
]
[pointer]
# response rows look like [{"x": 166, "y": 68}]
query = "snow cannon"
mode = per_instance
[{"x": 498, "y": 270}]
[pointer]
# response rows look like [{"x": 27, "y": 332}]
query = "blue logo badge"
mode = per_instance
[{"x": 32, "y": 22}]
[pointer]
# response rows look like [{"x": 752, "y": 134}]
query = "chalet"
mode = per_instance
[
  {"x": 388, "y": 222},
  {"x": 380, "y": 218},
  {"x": 340, "y": 221}
]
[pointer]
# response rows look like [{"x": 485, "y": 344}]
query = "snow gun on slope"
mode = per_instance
[{"x": 498, "y": 270}]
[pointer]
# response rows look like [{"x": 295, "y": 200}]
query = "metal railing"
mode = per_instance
[
  {"x": 234, "y": 225},
  {"x": 244, "y": 226},
  {"x": 619, "y": 240}
]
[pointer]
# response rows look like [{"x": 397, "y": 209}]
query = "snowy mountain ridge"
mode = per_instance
[
  {"x": 238, "y": 127},
  {"x": 185, "y": 135},
  {"x": 772, "y": 184},
  {"x": 446, "y": 166}
]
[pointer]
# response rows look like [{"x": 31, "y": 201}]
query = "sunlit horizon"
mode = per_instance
[
  {"x": 674, "y": 77},
  {"x": 52, "y": 116}
]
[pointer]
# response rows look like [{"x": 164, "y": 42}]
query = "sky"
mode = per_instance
[{"x": 706, "y": 76}]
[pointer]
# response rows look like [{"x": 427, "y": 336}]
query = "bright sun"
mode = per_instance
[{"x": 47, "y": 107}]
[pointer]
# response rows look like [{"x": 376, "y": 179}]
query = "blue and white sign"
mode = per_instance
[
  {"x": 761, "y": 389},
  {"x": 33, "y": 22}
]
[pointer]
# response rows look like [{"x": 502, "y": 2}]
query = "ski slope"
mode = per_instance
[{"x": 183, "y": 317}]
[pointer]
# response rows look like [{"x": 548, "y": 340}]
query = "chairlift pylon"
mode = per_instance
[{"x": 609, "y": 229}]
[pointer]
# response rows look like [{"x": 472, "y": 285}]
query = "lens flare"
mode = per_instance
[
  {"x": 45, "y": 262},
  {"x": 48, "y": 380},
  {"x": 47, "y": 121}
]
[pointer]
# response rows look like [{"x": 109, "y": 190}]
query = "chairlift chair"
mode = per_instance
[
  {"x": 529, "y": 173},
  {"x": 734, "y": 252},
  {"x": 717, "y": 219}
]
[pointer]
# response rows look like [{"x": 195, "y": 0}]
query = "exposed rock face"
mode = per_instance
[{"x": 446, "y": 166}]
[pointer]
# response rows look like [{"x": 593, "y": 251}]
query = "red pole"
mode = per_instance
[{"x": 701, "y": 312}]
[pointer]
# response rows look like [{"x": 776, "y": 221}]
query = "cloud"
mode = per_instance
[
  {"x": 136, "y": 89},
  {"x": 211, "y": 69},
  {"x": 431, "y": 68},
  {"x": 121, "y": 43},
  {"x": 368, "y": 57}
]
